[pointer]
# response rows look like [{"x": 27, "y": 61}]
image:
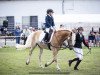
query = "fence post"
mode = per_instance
[{"x": 5, "y": 39}]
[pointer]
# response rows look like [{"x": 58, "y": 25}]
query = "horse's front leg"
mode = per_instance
[
  {"x": 55, "y": 52},
  {"x": 40, "y": 55},
  {"x": 55, "y": 59},
  {"x": 30, "y": 53}
]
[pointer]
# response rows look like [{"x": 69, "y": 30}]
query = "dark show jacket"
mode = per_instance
[
  {"x": 49, "y": 21},
  {"x": 78, "y": 41}
]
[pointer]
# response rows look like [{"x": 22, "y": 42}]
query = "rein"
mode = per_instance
[{"x": 61, "y": 48}]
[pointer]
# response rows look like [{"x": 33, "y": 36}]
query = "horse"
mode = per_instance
[{"x": 56, "y": 42}]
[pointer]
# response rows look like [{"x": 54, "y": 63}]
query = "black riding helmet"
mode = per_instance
[
  {"x": 80, "y": 28},
  {"x": 50, "y": 10}
]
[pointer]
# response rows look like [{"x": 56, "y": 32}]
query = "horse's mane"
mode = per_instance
[
  {"x": 63, "y": 30},
  {"x": 59, "y": 30}
]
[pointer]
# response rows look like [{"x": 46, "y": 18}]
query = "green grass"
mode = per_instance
[{"x": 13, "y": 62}]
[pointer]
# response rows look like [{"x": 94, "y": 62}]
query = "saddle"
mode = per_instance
[{"x": 47, "y": 36}]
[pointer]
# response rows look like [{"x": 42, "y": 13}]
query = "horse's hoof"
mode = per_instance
[
  {"x": 27, "y": 63},
  {"x": 59, "y": 69},
  {"x": 41, "y": 66},
  {"x": 46, "y": 65}
]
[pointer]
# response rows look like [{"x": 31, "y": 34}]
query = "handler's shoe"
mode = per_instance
[
  {"x": 70, "y": 62},
  {"x": 76, "y": 68}
]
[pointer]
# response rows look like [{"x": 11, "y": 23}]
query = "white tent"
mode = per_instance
[{"x": 91, "y": 18}]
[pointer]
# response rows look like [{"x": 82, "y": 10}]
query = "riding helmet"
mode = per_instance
[
  {"x": 80, "y": 28},
  {"x": 49, "y": 10}
]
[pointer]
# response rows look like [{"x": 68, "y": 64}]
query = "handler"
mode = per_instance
[
  {"x": 78, "y": 48},
  {"x": 49, "y": 24}
]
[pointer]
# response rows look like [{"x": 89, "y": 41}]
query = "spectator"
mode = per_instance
[
  {"x": 26, "y": 33},
  {"x": 5, "y": 23},
  {"x": 91, "y": 39},
  {"x": 97, "y": 38},
  {"x": 2, "y": 30},
  {"x": 61, "y": 26},
  {"x": 30, "y": 30},
  {"x": 17, "y": 34},
  {"x": 34, "y": 29}
]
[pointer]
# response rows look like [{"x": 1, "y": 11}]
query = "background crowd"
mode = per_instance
[
  {"x": 22, "y": 34},
  {"x": 94, "y": 38}
]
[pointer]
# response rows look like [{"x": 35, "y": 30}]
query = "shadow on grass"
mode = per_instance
[{"x": 49, "y": 73}]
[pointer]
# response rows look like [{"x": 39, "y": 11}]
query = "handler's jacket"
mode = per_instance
[
  {"x": 79, "y": 40},
  {"x": 49, "y": 21}
]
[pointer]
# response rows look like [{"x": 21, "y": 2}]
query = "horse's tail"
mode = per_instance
[
  {"x": 28, "y": 43},
  {"x": 20, "y": 47}
]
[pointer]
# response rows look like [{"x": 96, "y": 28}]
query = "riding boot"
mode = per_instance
[
  {"x": 46, "y": 37},
  {"x": 70, "y": 61},
  {"x": 77, "y": 63}
]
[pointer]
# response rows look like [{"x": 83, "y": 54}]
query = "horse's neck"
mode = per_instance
[
  {"x": 64, "y": 36},
  {"x": 60, "y": 36}
]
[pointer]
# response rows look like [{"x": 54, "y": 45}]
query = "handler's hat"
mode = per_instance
[
  {"x": 49, "y": 10},
  {"x": 80, "y": 28}
]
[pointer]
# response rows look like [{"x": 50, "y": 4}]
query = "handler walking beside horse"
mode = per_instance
[{"x": 78, "y": 48}]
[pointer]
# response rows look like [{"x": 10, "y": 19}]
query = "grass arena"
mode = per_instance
[
  {"x": 13, "y": 62},
  {"x": 46, "y": 37}
]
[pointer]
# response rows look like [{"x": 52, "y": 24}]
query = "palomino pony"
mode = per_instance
[{"x": 56, "y": 42}]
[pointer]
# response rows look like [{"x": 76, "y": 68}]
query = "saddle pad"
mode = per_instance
[{"x": 42, "y": 35}]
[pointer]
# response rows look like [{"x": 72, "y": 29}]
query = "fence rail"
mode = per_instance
[
  {"x": 3, "y": 37},
  {"x": 8, "y": 37}
]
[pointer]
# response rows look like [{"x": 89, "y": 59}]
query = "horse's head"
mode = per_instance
[
  {"x": 69, "y": 40},
  {"x": 63, "y": 35}
]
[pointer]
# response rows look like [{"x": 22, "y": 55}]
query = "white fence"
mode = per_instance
[{"x": 9, "y": 40}]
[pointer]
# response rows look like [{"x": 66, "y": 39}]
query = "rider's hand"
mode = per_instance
[
  {"x": 51, "y": 27},
  {"x": 54, "y": 28}
]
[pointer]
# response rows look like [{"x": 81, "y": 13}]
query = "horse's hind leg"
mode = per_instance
[
  {"x": 30, "y": 53},
  {"x": 40, "y": 55}
]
